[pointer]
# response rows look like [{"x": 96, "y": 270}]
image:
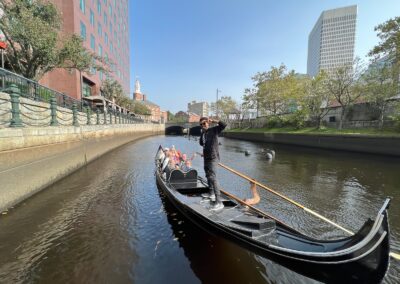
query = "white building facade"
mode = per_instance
[
  {"x": 200, "y": 108},
  {"x": 332, "y": 40}
]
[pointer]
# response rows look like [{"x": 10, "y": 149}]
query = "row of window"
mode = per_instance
[
  {"x": 340, "y": 19},
  {"x": 106, "y": 39},
  {"x": 82, "y": 5},
  {"x": 100, "y": 32},
  {"x": 105, "y": 19}
]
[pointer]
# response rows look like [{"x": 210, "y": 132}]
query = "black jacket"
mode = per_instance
[{"x": 210, "y": 137}]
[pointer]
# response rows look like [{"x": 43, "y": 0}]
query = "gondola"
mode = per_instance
[{"x": 361, "y": 258}]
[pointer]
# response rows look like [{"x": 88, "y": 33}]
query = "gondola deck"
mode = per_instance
[{"x": 362, "y": 258}]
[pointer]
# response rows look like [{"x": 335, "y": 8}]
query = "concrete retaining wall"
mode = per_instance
[
  {"x": 33, "y": 158},
  {"x": 355, "y": 143}
]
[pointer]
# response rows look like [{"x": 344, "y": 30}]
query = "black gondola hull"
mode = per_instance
[{"x": 368, "y": 264}]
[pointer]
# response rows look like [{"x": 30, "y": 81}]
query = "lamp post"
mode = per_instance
[{"x": 216, "y": 104}]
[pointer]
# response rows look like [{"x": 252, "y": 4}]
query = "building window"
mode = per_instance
[
  {"x": 106, "y": 38},
  {"x": 99, "y": 7},
  {"x": 82, "y": 6},
  {"x": 100, "y": 50},
  {"x": 105, "y": 18},
  {"x": 99, "y": 29},
  {"x": 83, "y": 31},
  {"x": 91, "y": 18},
  {"x": 92, "y": 42},
  {"x": 101, "y": 75},
  {"x": 110, "y": 9},
  {"x": 86, "y": 90}
]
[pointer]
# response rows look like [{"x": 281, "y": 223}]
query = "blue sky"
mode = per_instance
[{"x": 183, "y": 50}]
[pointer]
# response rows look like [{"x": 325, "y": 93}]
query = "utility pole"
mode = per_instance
[{"x": 216, "y": 104}]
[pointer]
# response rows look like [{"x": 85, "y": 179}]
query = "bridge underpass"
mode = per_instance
[{"x": 176, "y": 128}]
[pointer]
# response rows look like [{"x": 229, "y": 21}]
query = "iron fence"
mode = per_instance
[{"x": 19, "y": 113}]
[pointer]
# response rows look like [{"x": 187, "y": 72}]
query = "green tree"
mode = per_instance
[
  {"x": 277, "y": 91},
  {"x": 389, "y": 47},
  {"x": 171, "y": 116},
  {"x": 140, "y": 108},
  {"x": 112, "y": 89},
  {"x": 35, "y": 45},
  {"x": 343, "y": 85},
  {"x": 317, "y": 98},
  {"x": 227, "y": 108},
  {"x": 379, "y": 88}
]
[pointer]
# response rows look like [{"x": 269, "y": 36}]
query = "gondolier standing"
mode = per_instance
[{"x": 209, "y": 141}]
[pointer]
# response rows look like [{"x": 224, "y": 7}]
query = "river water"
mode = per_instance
[{"x": 108, "y": 222}]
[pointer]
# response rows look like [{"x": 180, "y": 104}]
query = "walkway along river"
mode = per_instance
[{"x": 108, "y": 222}]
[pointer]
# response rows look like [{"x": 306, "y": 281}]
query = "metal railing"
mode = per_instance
[
  {"x": 59, "y": 109},
  {"x": 33, "y": 90}
]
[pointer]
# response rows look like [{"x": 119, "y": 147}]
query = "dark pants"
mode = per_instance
[{"x": 210, "y": 168}]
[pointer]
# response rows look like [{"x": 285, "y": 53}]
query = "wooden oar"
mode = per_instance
[
  {"x": 286, "y": 198},
  {"x": 256, "y": 209},
  {"x": 392, "y": 254}
]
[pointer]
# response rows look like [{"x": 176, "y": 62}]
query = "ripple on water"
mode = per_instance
[{"x": 106, "y": 223}]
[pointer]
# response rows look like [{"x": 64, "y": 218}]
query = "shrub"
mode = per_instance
[{"x": 273, "y": 122}]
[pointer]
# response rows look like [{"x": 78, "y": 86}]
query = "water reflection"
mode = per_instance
[{"x": 106, "y": 222}]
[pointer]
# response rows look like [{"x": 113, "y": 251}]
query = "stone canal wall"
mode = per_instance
[
  {"x": 389, "y": 145},
  {"x": 33, "y": 158}
]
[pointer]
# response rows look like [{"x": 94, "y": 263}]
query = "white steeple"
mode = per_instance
[{"x": 137, "y": 86}]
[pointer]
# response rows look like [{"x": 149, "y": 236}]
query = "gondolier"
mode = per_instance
[
  {"x": 209, "y": 141},
  {"x": 362, "y": 257}
]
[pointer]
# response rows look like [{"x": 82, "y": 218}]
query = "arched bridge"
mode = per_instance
[{"x": 181, "y": 128}]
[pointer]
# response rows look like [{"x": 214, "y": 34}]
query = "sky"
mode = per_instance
[{"x": 183, "y": 50}]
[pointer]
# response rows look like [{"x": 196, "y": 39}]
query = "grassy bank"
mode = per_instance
[{"x": 312, "y": 130}]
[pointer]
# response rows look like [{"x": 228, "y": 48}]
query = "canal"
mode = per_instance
[{"x": 108, "y": 222}]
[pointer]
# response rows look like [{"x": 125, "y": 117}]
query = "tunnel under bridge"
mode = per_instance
[{"x": 183, "y": 128}]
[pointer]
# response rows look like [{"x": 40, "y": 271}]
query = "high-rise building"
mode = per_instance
[
  {"x": 331, "y": 41},
  {"x": 200, "y": 108},
  {"x": 103, "y": 26}
]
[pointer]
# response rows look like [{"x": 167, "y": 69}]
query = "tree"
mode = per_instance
[
  {"x": 112, "y": 89},
  {"x": 317, "y": 98},
  {"x": 226, "y": 108},
  {"x": 343, "y": 85},
  {"x": 140, "y": 108},
  {"x": 277, "y": 90},
  {"x": 35, "y": 44},
  {"x": 170, "y": 116},
  {"x": 379, "y": 88},
  {"x": 389, "y": 47},
  {"x": 250, "y": 100}
]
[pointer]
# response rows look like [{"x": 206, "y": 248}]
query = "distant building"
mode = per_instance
[
  {"x": 155, "y": 110},
  {"x": 164, "y": 116},
  {"x": 187, "y": 116},
  {"x": 193, "y": 117},
  {"x": 331, "y": 41},
  {"x": 200, "y": 108}
]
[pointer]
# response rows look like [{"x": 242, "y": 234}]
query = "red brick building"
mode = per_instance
[
  {"x": 104, "y": 27},
  {"x": 156, "y": 113},
  {"x": 187, "y": 116}
]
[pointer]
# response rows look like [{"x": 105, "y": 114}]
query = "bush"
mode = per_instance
[
  {"x": 273, "y": 122},
  {"x": 296, "y": 119}
]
